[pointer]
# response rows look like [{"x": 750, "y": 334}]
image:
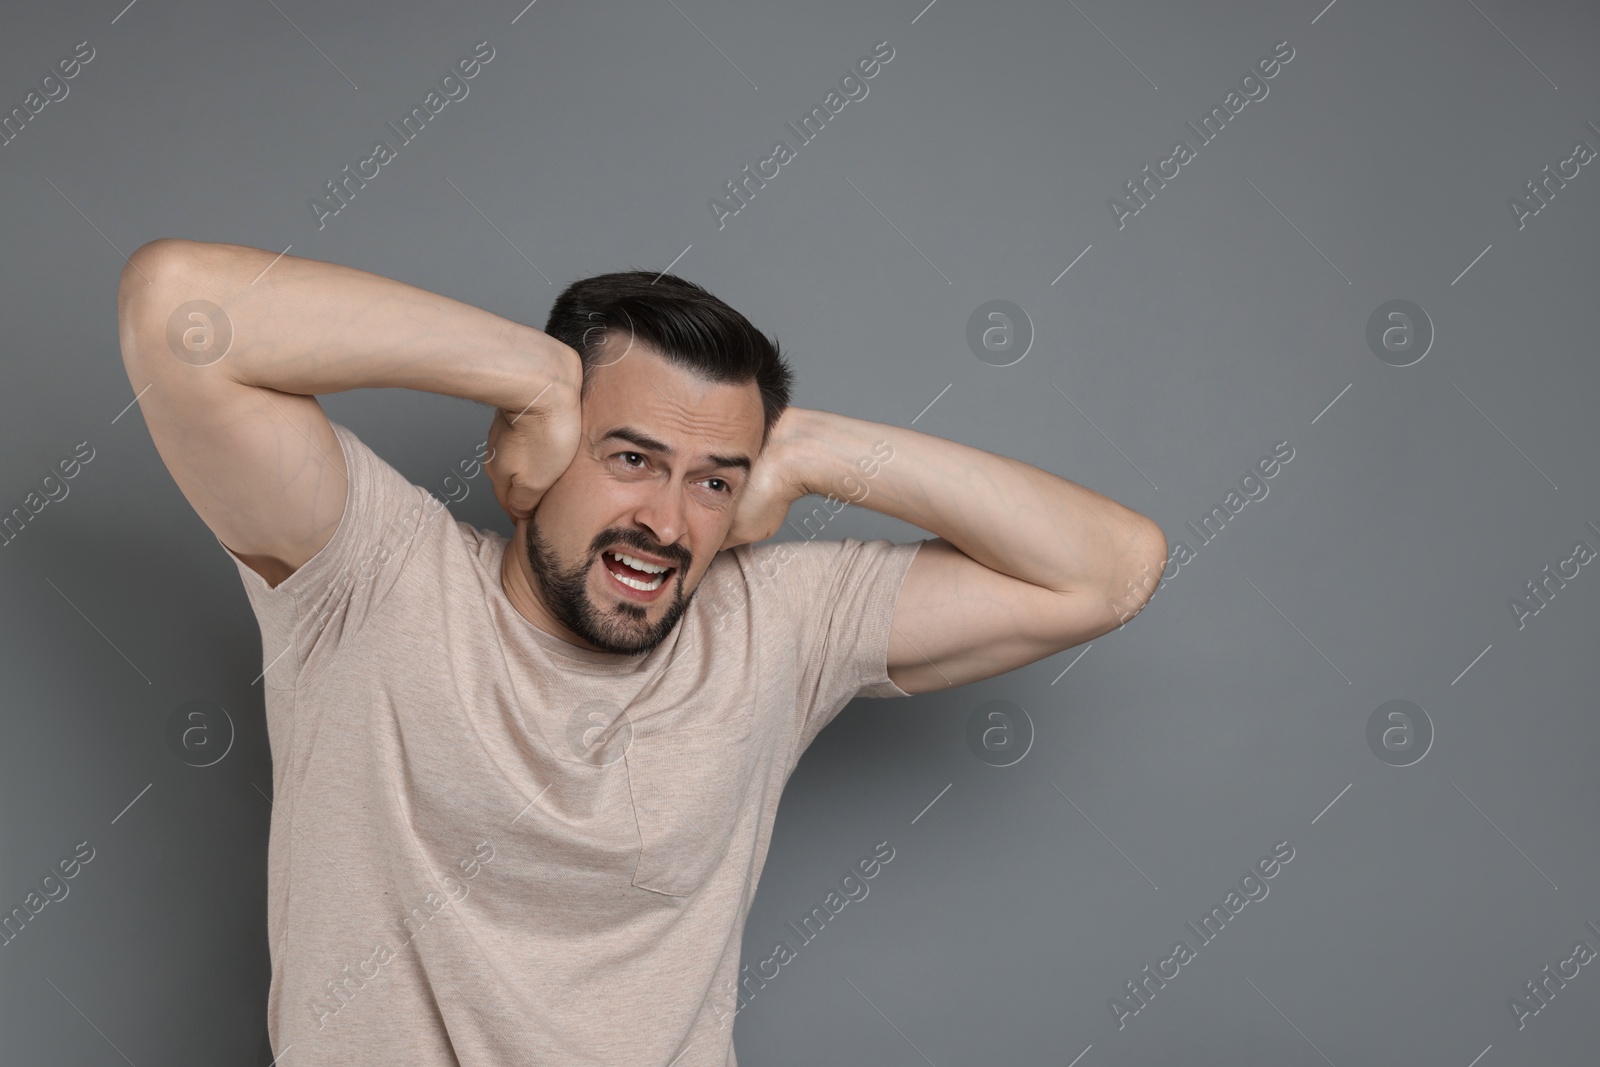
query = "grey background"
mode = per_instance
[{"x": 1227, "y": 316}]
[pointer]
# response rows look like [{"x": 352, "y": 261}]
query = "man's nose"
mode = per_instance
[{"x": 664, "y": 512}]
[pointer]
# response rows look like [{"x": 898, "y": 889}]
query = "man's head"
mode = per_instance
[{"x": 679, "y": 394}]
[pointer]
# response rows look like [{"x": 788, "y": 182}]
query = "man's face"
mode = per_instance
[{"x": 655, "y": 477}]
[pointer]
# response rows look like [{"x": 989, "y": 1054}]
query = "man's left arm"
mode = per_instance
[{"x": 1024, "y": 564}]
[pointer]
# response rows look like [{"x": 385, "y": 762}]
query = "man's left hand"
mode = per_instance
[{"x": 773, "y": 485}]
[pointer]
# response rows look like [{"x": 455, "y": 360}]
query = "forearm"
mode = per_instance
[
  {"x": 308, "y": 327},
  {"x": 1001, "y": 512}
]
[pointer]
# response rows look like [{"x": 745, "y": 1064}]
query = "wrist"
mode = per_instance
[
  {"x": 545, "y": 375},
  {"x": 797, "y": 445},
  {"x": 837, "y": 456}
]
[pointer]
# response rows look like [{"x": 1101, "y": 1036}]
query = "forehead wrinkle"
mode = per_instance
[{"x": 689, "y": 419}]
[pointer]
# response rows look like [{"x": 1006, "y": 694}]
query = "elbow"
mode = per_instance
[
  {"x": 1159, "y": 552},
  {"x": 144, "y": 292},
  {"x": 143, "y": 301},
  {"x": 1155, "y": 564},
  {"x": 153, "y": 264},
  {"x": 1143, "y": 572}
]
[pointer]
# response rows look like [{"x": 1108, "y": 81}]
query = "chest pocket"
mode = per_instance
[{"x": 689, "y": 790}]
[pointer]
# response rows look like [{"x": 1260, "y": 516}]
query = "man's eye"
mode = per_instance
[
  {"x": 627, "y": 454},
  {"x": 726, "y": 488}
]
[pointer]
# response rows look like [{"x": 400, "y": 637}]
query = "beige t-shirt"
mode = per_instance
[{"x": 491, "y": 847}]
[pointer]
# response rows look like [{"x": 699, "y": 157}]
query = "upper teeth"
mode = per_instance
[{"x": 641, "y": 565}]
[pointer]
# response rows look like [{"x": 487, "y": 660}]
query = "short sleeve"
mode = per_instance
[
  {"x": 319, "y": 609},
  {"x": 840, "y": 597}
]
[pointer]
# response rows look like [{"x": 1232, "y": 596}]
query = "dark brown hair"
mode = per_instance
[{"x": 680, "y": 320}]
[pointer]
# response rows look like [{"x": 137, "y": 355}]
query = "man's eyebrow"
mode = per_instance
[{"x": 645, "y": 441}]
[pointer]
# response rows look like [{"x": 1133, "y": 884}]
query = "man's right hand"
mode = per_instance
[{"x": 529, "y": 450}]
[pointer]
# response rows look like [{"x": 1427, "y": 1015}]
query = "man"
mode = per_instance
[{"x": 523, "y": 789}]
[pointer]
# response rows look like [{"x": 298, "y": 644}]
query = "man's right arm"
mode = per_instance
[{"x": 239, "y": 426}]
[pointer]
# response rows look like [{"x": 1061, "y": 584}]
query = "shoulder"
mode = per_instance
[{"x": 801, "y": 571}]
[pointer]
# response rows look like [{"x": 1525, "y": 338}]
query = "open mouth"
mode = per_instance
[{"x": 634, "y": 573}]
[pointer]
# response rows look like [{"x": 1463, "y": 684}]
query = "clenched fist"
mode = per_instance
[
  {"x": 530, "y": 449},
  {"x": 775, "y": 483}
]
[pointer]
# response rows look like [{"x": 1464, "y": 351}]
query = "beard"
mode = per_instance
[{"x": 623, "y": 629}]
